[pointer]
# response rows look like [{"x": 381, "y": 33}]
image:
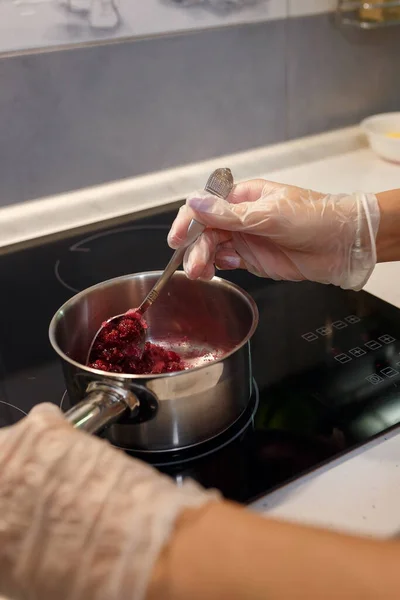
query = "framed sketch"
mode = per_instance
[{"x": 36, "y": 25}]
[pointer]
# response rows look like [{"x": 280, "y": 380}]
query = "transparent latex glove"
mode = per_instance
[
  {"x": 282, "y": 232},
  {"x": 79, "y": 519}
]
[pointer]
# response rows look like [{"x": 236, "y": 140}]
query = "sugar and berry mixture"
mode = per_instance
[{"x": 116, "y": 350}]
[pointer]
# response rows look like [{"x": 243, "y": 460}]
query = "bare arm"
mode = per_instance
[
  {"x": 225, "y": 552},
  {"x": 388, "y": 239}
]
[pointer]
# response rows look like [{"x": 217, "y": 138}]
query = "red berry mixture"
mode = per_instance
[{"x": 117, "y": 350}]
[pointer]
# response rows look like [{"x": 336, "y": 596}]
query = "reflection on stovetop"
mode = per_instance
[{"x": 326, "y": 361}]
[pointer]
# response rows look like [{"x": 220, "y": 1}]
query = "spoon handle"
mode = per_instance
[{"x": 220, "y": 183}]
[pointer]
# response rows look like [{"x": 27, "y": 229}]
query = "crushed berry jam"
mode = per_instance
[{"x": 117, "y": 349}]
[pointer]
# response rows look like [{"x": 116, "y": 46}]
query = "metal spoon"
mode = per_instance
[{"x": 220, "y": 183}]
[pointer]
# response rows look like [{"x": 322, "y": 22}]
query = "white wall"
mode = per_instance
[{"x": 35, "y": 24}]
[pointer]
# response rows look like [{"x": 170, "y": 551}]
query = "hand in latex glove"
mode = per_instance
[
  {"x": 79, "y": 519},
  {"x": 282, "y": 232}
]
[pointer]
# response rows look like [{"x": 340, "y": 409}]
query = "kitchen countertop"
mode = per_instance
[{"x": 358, "y": 492}]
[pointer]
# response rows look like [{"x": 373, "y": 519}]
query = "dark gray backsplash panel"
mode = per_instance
[
  {"x": 336, "y": 77},
  {"x": 83, "y": 117},
  {"x": 79, "y": 118}
]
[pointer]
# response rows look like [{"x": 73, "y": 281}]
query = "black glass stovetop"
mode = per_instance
[{"x": 326, "y": 362}]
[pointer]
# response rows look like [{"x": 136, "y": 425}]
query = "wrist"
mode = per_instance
[
  {"x": 172, "y": 572},
  {"x": 388, "y": 238}
]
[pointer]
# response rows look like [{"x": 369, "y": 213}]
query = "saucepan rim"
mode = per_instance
[{"x": 130, "y": 377}]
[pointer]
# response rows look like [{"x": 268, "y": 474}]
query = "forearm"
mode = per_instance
[
  {"x": 224, "y": 552},
  {"x": 388, "y": 238}
]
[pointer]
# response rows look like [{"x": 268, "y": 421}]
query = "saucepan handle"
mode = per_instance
[{"x": 104, "y": 404}]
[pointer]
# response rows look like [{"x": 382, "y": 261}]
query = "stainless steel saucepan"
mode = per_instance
[{"x": 208, "y": 323}]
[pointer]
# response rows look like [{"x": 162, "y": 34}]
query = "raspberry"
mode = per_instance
[
  {"x": 117, "y": 350},
  {"x": 131, "y": 328},
  {"x": 101, "y": 365},
  {"x": 108, "y": 335}
]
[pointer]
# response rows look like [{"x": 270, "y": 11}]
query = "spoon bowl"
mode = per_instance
[{"x": 127, "y": 329}]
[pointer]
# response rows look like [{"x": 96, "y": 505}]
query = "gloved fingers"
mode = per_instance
[
  {"x": 199, "y": 258},
  {"x": 292, "y": 193},
  {"x": 208, "y": 274},
  {"x": 257, "y": 206},
  {"x": 178, "y": 232},
  {"x": 227, "y": 259},
  {"x": 277, "y": 215},
  {"x": 247, "y": 217},
  {"x": 256, "y": 254},
  {"x": 247, "y": 191},
  {"x": 264, "y": 258}
]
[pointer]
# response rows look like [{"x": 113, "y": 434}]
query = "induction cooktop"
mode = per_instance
[{"x": 326, "y": 362}]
